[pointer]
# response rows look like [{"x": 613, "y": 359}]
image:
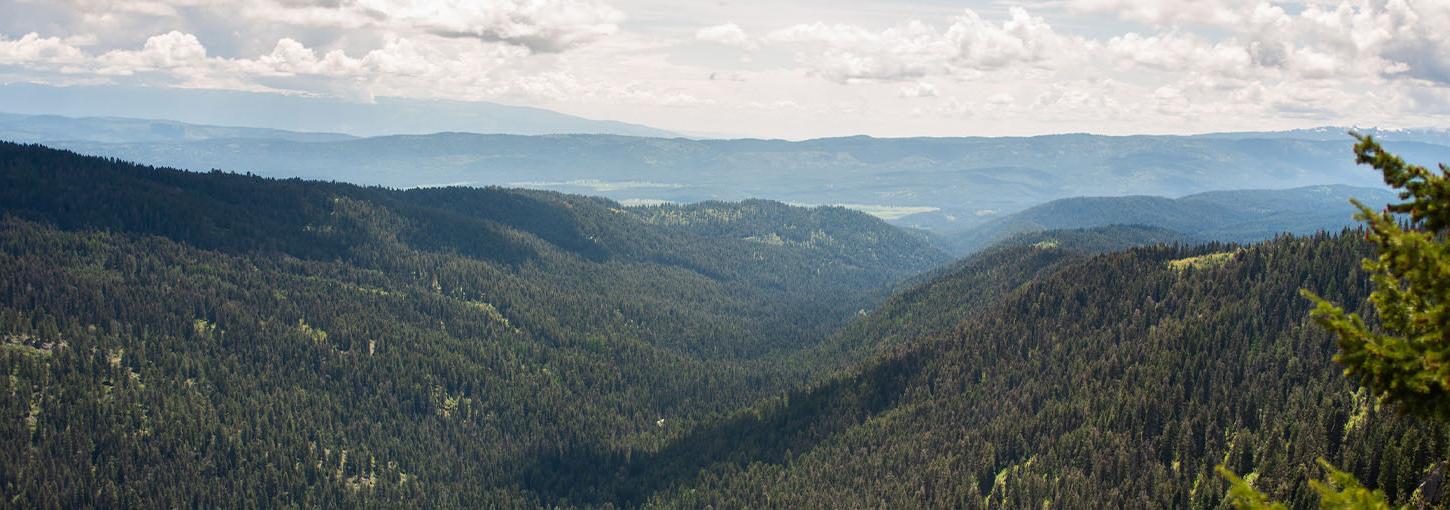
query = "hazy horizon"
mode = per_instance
[{"x": 76, "y": 114}]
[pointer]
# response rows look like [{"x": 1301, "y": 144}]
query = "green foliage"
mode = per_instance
[
  {"x": 1409, "y": 365},
  {"x": 1208, "y": 261},
  {"x": 1244, "y": 496},
  {"x": 1095, "y": 381},
  {"x": 1343, "y": 491}
]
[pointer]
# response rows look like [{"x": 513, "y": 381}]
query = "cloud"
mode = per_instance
[
  {"x": 915, "y": 49},
  {"x": 728, "y": 34},
  {"x": 917, "y": 89},
  {"x": 446, "y": 68},
  {"x": 1022, "y": 39},
  {"x": 1400, "y": 36},
  {"x": 33, "y": 48},
  {"x": 166, "y": 51},
  {"x": 1000, "y": 100},
  {"x": 1179, "y": 52},
  {"x": 541, "y": 26},
  {"x": 547, "y": 26},
  {"x": 1347, "y": 39},
  {"x": 1170, "y": 12},
  {"x": 1170, "y": 65}
]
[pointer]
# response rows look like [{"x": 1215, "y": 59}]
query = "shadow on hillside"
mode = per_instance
[{"x": 770, "y": 433}]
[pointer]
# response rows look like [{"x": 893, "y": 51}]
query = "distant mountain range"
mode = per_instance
[
  {"x": 1235, "y": 215},
  {"x": 948, "y": 185},
  {"x": 1439, "y": 136},
  {"x": 383, "y": 116},
  {"x": 56, "y": 128}
]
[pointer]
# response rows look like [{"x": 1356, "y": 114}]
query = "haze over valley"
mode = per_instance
[{"x": 946, "y": 185}]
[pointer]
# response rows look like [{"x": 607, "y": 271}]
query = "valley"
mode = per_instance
[
  {"x": 329, "y": 344},
  {"x": 639, "y": 254}
]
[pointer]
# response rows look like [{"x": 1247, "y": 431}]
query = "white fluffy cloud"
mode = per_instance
[
  {"x": 545, "y": 26},
  {"x": 33, "y": 48},
  {"x": 728, "y": 34},
  {"x": 1170, "y": 12},
  {"x": 170, "y": 50},
  {"x": 1022, "y": 39},
  {"x": 807, "y": 68},
  {"x": 914, "y": 49},
  {"x": 1340, "y": 39},
  {"x": 1178, "y": 52}
]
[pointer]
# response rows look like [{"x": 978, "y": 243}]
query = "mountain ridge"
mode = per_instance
[
  {"x": 381, "y": 116},
  {"x": 59, "y": 128},
  {"x": 1223, "y": 215},
  {"x": 943, "y": 186}
]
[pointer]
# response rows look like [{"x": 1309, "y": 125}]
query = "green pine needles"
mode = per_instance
[
  {"x": 1406, "y": 361},
  {"x": 1409, "y": 366}
]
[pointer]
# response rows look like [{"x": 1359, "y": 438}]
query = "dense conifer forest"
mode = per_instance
[
  {"x": 176, "y": 339},
  {"x": 1115, "y": 381},
  {"x": 180, "y": 339}
]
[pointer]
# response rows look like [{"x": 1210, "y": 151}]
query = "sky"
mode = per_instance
[{"x": 785, "y": 69}]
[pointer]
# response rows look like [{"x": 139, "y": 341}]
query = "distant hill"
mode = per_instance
[
  {"x": 381, "y": 116},
  {"x": 56, "y": 128},
  {"x": 940, "y": 184},
  {"x": 1440, "y": 136},
  {"x": 833, "y": 232},
  {"x": 1238, "y": 215}
]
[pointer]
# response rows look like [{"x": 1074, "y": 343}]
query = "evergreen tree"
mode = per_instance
[{"x": 1406, "y": 361}]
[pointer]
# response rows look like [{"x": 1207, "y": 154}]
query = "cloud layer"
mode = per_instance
[{"x": 1141, "y": 65}]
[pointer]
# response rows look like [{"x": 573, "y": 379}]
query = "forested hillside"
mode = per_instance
[
  {"x": 834, "y": 233},
  {"x": 179, "y": 339},
  {"x": 1111, "y": 381},
  {"x": 940, "y": 299}
]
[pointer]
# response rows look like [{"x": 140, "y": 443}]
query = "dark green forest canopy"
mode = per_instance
[
  {"x": 175, "y": 339},
  {"x": 178, "y": 338},
  {"x": 1110, "y": 381}
]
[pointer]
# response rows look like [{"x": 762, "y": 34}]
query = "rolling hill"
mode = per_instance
[
  {"x": 56, "y": 128},
  {"x": 378, "y": 116},
  {"x": 1235, "y": 216},
  {"x": 946, "y": 184}
]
